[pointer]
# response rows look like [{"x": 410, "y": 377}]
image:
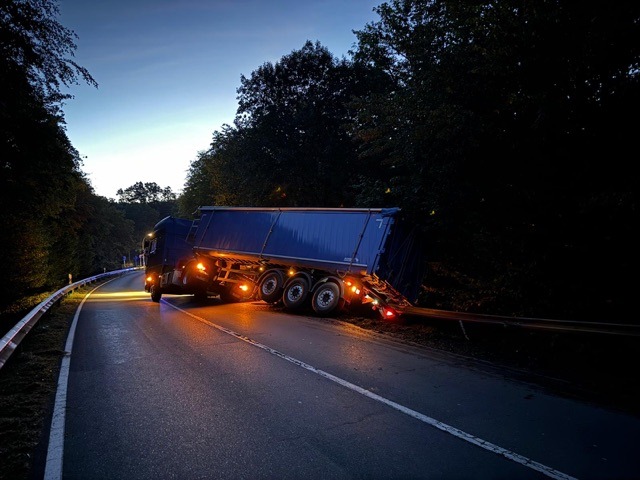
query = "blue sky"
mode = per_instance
[{"x": 168, "y": 71}]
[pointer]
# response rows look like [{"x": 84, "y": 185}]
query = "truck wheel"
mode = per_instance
[
  {"x": 326, "y": 299},
  {"x": 156, "y": 293},
  {"x": 271, "y": 287},
  {"x": 295, "y": 292}
]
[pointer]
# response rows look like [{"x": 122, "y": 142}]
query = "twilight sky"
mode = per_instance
[{"x": 168, "y": 71}]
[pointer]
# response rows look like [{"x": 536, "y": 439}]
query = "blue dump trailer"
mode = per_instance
[{"x": 328, "y": 258}]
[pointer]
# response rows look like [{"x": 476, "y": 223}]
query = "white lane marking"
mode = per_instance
[
  {"x": 527, "y": 462},
  {"x": 55, "y": 450}
]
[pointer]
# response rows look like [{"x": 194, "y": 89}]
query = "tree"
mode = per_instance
[
  {"x": 197, "y": 190},
  {"x": 35, "y": 46},
  {"x": 148, "y": 192},
  {"x": 290, "y": 143},
  {"x": 144, "y": 216},
  {"x": 39, "y": 182},
  {"x": 107, "y": 236},
  {"x": 40, "y": 173},
  {"x": 497, "y": 121}
]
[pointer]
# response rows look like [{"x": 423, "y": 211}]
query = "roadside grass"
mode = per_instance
[
  {"x": 12, "y": 314},
  {"x": 27, "y": 388}
]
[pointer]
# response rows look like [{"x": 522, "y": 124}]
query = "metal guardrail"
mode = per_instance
[
  {"x": 12, "y": 339},
  {"x": 624, "y": 329}
]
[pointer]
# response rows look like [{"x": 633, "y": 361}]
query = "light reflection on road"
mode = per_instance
[{"x": 118, "y": 296}]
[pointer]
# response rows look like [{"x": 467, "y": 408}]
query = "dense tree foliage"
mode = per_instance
[
  {"x": 501, "y": 128},
  {"x": 509, "y": 126},
  {"x": 198, "y": 189},
  {"x": 144, "y": 205},
  {"x": 148, "y": 192},
  {"x": 52, "y": 223},
  {"x": 292, "y": 130},
  {"x": 36, "y": 48}
]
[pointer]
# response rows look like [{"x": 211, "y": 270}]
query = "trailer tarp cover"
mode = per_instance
[{"x": 339, "y": 239}]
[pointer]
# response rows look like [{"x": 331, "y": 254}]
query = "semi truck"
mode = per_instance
[{"x": 325, "y": 258}]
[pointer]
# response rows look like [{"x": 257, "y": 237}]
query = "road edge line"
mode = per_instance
[
  {"x": 55, "y": 449},
  {"x": 509, "y": 455}
]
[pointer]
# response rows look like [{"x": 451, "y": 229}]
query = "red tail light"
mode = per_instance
[{"x": 389, "y": 313}]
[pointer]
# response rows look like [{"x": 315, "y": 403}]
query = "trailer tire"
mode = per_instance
[
  {"x": 326, "y": 299},
  {"x": 156, "y": 293},
  {"x": 295, "y": 292},
  {"x": 270, "y": 288}
]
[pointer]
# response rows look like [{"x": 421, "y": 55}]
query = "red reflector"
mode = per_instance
[{"x": 388, "y": 312}]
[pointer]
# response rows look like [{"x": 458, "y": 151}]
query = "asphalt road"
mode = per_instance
[{"x": 186, "y": 391}]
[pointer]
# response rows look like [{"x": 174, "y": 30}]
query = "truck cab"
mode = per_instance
[
  {"x": 173, "y": 267},
  {"x": 166, "y": 252}
]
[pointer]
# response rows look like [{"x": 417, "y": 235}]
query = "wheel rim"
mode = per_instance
[
  {"x": 326, "y": 298},
  {"x": 295, "y": 292},
  {"x": 269, "y": 286}
]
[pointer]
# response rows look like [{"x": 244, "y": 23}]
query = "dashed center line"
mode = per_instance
[{"x": 522, "y": 460}]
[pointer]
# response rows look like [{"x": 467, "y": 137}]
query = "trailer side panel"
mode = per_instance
[{"x": 349, "y": 240}]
